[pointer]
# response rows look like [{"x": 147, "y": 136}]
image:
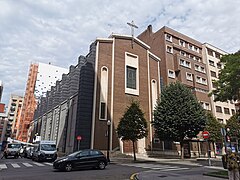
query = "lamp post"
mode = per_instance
[{"x": 108, "y": 139}]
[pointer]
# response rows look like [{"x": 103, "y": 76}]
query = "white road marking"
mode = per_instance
[
  {"x": 38, "y": 164},
  {"x": 50, "y": 164},
  {"x": 27, "y": 165},
  {"x": 15, "y": 165},
  {"x": 3, "y": 166},
  {"x": 175, "y": 169}
]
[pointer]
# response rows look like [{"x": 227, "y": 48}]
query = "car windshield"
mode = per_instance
[
  {"x": 74, "y": 154},
  {"x": 48, "y": 147},
  {"x": 14, "y": 145}
]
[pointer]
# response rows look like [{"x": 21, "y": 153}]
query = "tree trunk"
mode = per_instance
[
  {"x": 182, "y": 150},
  {"x": 134, "y": 153},
  {"x": 214, "y": 149}
]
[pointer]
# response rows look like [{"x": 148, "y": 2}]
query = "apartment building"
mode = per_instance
[
  {"x": 4, "y": 129},
  {"x": 14, "y": 113},
  {"x": 41, "y": 78},
  {"x": 211, "y": 57}
]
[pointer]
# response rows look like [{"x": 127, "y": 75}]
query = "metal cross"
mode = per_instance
[{"x": 132, "y": 25}]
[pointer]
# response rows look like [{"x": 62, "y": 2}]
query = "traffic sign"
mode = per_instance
[
  {"x": 79, "y": 138},
  {"x": 205, "y": 134}
]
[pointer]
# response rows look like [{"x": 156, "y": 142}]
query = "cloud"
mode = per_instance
[{"x": 59, "y": 31}]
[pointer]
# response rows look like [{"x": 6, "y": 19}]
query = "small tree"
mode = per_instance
[
  {"x": 132, "y": 125},
  {"x": 213, "y": 126},
  {"x": 178, "y": 115},
  {"x": 234, "y": 127}
]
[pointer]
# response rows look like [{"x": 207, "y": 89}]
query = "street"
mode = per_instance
[{"x": 23, "y": 168}]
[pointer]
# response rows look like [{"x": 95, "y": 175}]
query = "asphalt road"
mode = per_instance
[{"x": 26, "y": 169}]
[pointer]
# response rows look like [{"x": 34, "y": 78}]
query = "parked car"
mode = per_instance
[
  {"x": 88, "y": 158},
  {"x": 45, "y": 151},
  {"x": 12, "y": 149}
]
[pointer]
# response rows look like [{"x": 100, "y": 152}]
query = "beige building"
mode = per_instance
[
  {"x": 211, "y": 57},
  {"x": 14, "y": 112}
]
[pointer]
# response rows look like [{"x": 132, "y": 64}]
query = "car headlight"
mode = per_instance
[{"x": 41, "y": 153}]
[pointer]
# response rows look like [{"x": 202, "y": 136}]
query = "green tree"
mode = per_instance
[
  {"x": 228, "y": 85},
  {"x": 213, "y": 126},
  {"x": 234, "y": 127},
  {"x": 178, "y": 115},
  {"x": 132, "y": 125}
]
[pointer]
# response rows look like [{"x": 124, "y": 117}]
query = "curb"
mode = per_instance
[{"x": 218, "y": 176}]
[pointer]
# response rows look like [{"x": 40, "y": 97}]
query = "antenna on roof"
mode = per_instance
[{"x": 132, "y": 25}]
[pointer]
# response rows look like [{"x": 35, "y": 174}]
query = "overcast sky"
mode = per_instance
[{"x": 58, "y": 31}]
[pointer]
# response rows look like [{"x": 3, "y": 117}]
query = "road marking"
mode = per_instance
[
  {"x": 38, "y": 164},
  {"x": 50, "y": 164},
  {"x": 156, "y": 167},
  {"x": 27, "y": 165},
  {"x": 175, "y": 169},
  {"x": 3, "y": 166},
  {"x": 15, "y": 165}
]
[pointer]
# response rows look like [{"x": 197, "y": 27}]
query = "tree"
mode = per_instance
[
  {"x": 178, "y": 115},
  {"x": 234, "y": 127},
  {"x": 213, "y": 126},
  {"x": 228, "y": 85},
  {"x": 132, "y": 125}
]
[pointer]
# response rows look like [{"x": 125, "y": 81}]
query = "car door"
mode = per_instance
[{"x": 81, "y": 159}]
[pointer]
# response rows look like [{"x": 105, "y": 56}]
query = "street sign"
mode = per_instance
[
  {"x": 79, "y": 138},
  {"x": 205, "y": 134}
]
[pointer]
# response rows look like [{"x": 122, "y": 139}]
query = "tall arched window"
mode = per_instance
[
  {"x": 154, "y": 93},
  {"x": 103, "y": 94}
]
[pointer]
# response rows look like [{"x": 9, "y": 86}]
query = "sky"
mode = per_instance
[{"x": 59, "y": 31}]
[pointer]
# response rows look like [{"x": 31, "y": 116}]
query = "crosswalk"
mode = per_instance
[
  {"x": 156, "y": 167},
  {"x": 24, "y": 165}
]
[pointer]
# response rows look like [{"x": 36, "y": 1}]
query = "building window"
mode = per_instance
[
  {"x": 217, "y": 55},
  {"x": 131, "y": 74},
  {"x": 189, "y": 76},
  {"x": 210, "y": 52},
  {"x": 181, "y": 43},
  {"x": 211, "y": 63},
  {"x": 131, "y": 77},
  {"x": 103, "y": 110},
  {"x": 219, "y": 66},
  {"x": 226, "y": 111},
  {"x": 171, "y": 74},
  {"x": 103, "y": 93},
  {"x": 154, "y": 93},
  {"x": 196, "y": 49},
  {"x": 213, "y": 74},
  {"x": 219, "y": 109},
  {"x": 169, "y": 49},
  {"x": 182, "y": 53},
  {"x": 168, "y": 37},
  {"x": 185, "y": 63},
  {"x": 190, "y": 46},
  {"x": 220, "y": 120},
  {"x": 201, "y": 80},
  {"x": 233, "y": 111},
  {"x": 198, "y": 59}
]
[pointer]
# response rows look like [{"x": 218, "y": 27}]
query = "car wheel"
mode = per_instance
[
  {"x": 101, "y": 165},
  {"x": 68, "y": 167}
]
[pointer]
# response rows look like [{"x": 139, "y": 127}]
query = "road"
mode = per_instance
[{"x": 26, "y": 169}]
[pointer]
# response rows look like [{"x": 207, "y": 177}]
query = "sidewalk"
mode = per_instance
[{"x": 216, "y": 163}]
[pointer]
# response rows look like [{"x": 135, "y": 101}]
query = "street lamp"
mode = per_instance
[{"x": 108, "y": 139}]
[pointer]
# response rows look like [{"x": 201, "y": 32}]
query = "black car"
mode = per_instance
[{"x": 88, "y": 158}]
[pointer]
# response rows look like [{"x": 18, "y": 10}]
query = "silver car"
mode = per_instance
[{"x": 12, "y": 149}]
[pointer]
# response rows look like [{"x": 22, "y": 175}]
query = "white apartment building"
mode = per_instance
[
  {"x": 47, "y": 76},
  {"x": 211, "y": 56}
]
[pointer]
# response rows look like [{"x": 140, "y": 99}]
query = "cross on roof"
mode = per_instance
[{"x": 132, "y": 25}]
